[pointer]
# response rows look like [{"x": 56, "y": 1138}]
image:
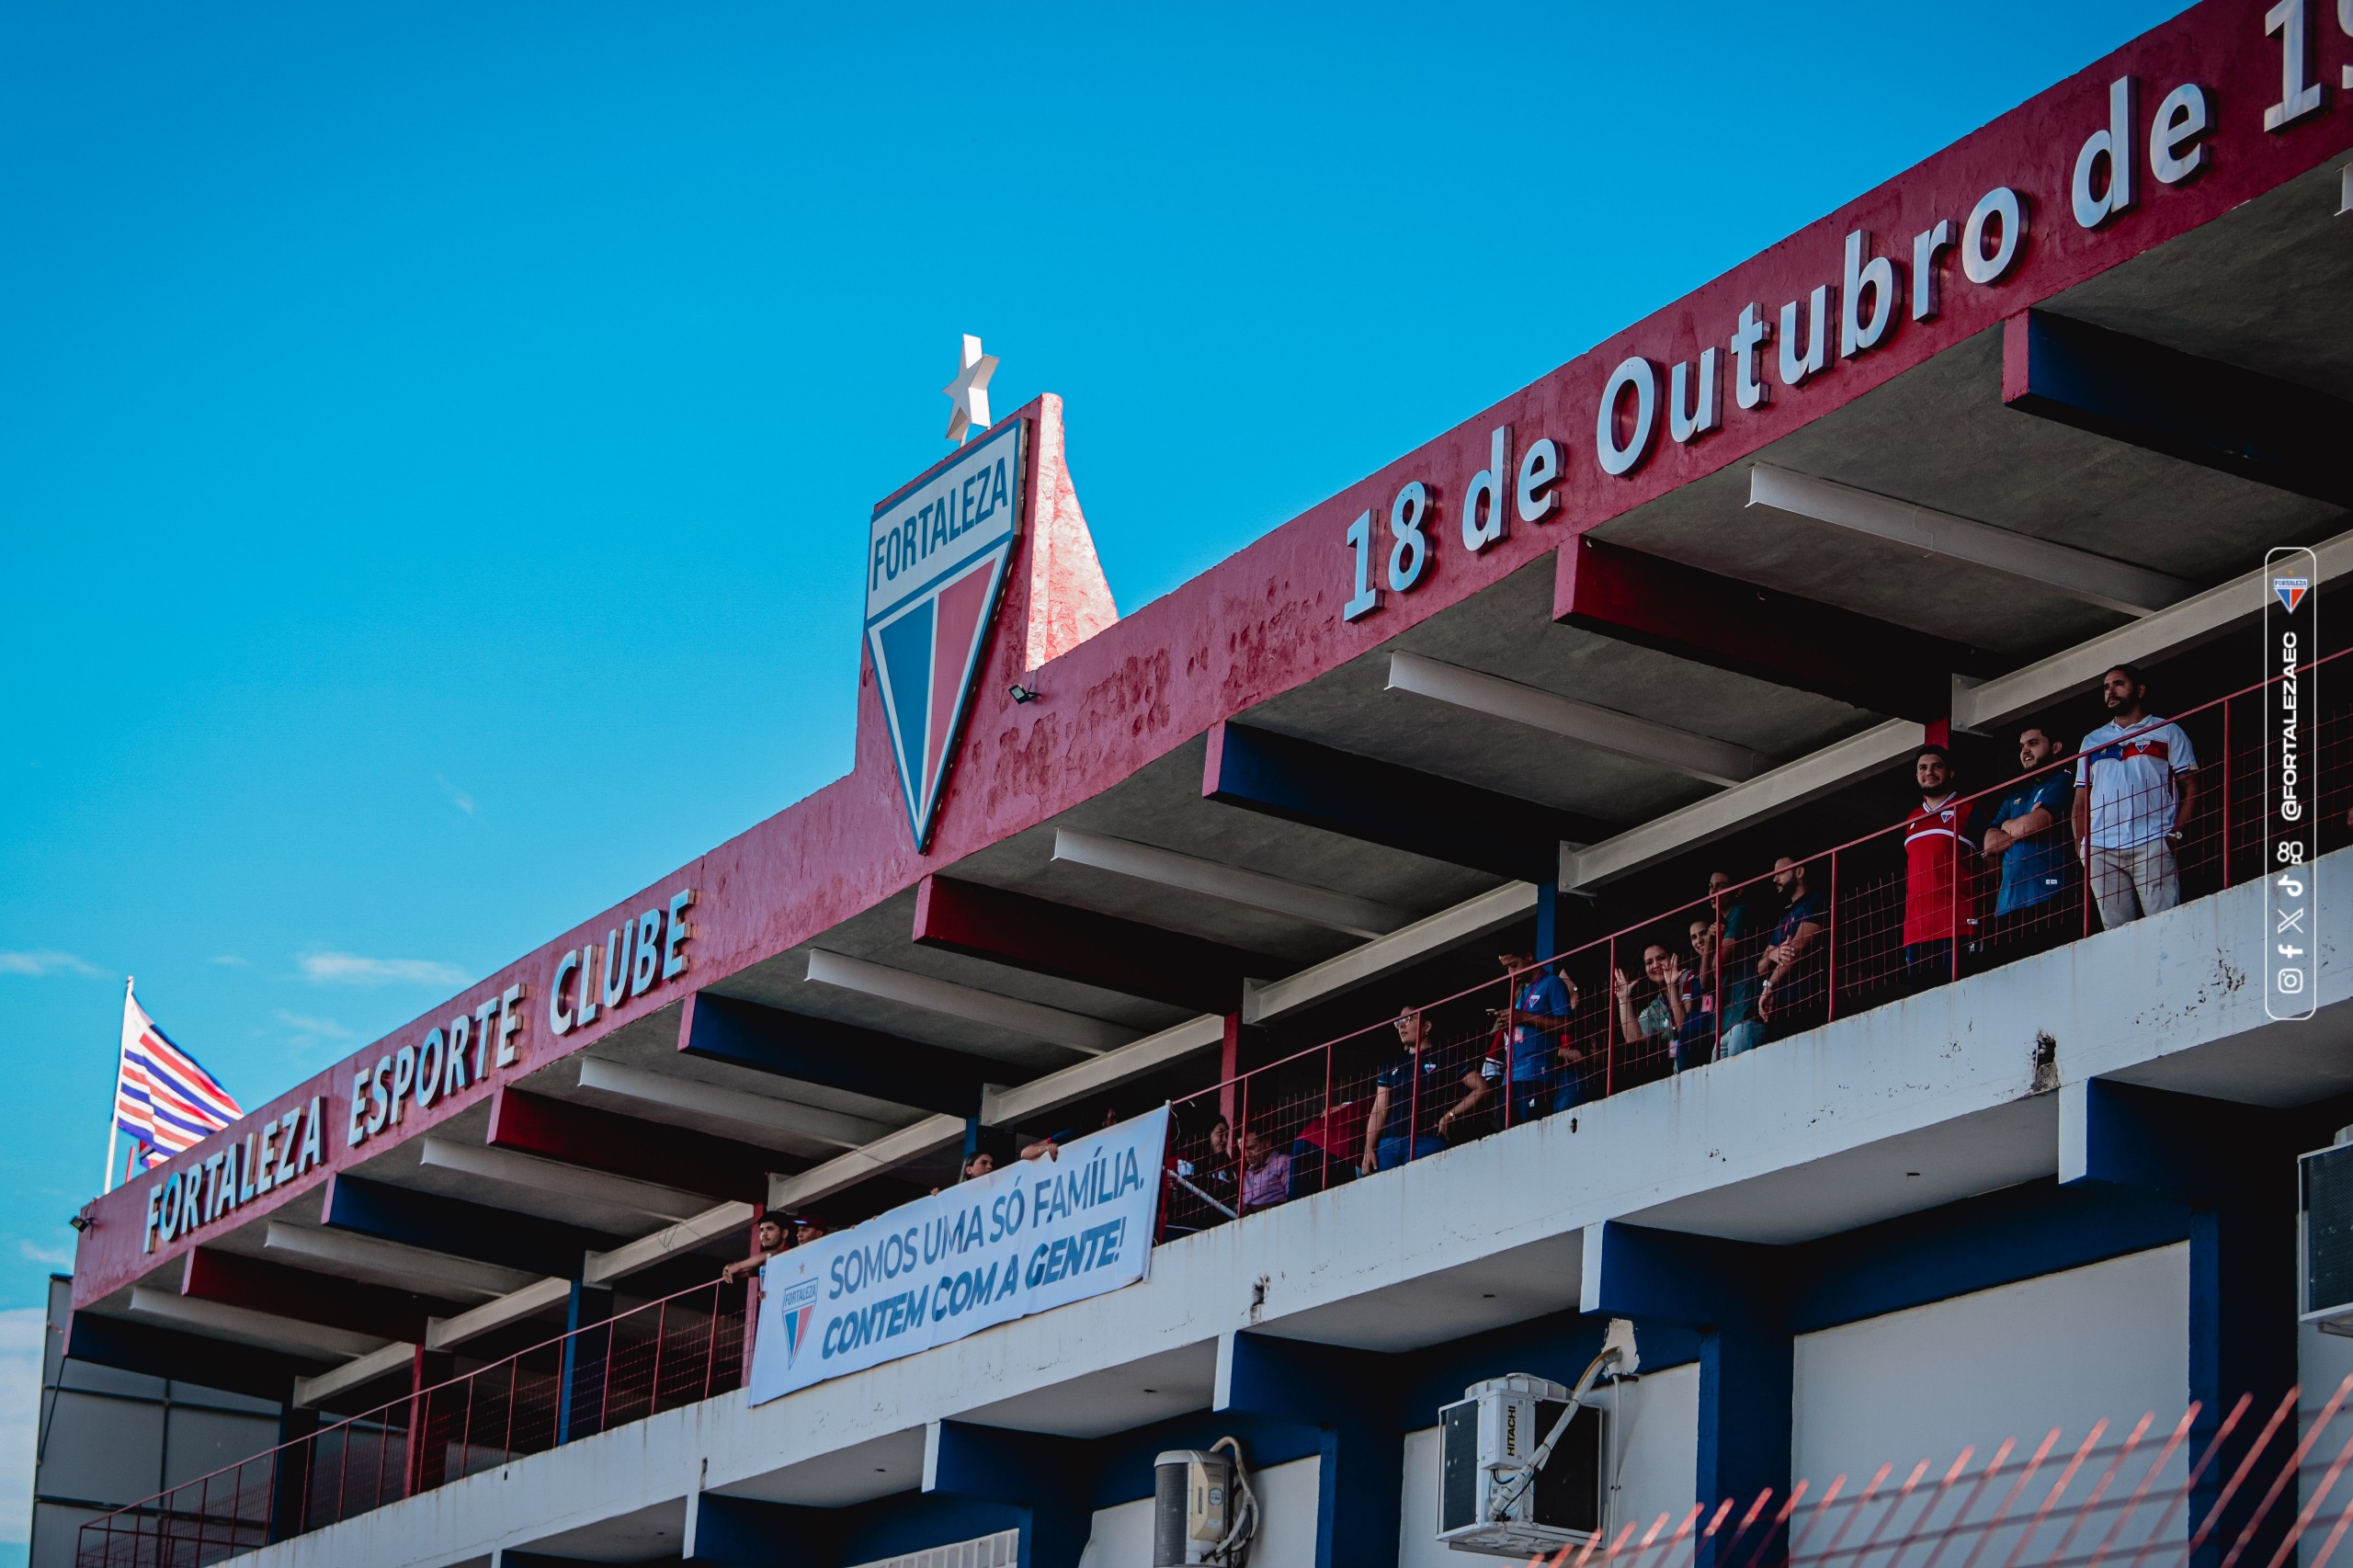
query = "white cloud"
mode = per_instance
[
  {"x": 59, "y": 1258},
  {"x": 23, "y": 1331},
  {"x": 229, "y": 961},
  {"x": 325, "y": 1029},
  {"x": 458, "y": 797},
  {"x": 350, "y": 969},
  {"x": 45, "y": 960}
]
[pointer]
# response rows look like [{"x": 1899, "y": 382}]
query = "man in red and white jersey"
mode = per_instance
[
  {"x": 1938, "y": 857},
  {"x": 2136, "y": 782}
]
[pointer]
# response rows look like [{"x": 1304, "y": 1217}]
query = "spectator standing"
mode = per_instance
[
  {"x": 2136, "y": 784},
  {"x": 1939, "y": 913},
  {"x": 1543, "y": 1071},
  {"x": 807, "y": 1228},
  {"x": 1410, "y": 1077},
  {"x": 1695, "y": 1042},
  {"x": 1740, "y": 926},
  {"x": 1794, "y": 993},
  {"x": 1651, "y": 1028},
  {"x": 767, "y": 1240},
  {"x": 1266, "y": 1176},
  {"x": 2029, "y": 841}
]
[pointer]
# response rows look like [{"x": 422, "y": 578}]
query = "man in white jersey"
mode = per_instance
[{"x": 2136, "y": 782}]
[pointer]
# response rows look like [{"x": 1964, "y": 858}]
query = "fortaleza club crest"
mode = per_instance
[
  {"x": 2291, "y": 591},
  {"x": 935, "y": 570},
  {"x": 800, "y": 1304}
]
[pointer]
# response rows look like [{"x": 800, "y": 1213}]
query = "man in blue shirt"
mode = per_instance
[
  {"x": 1543, "y": 1071},
  {"x": 1409, "y": 1089},
  {"x": 2028, "y": 840}
]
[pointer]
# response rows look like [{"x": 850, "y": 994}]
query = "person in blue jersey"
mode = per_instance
[
  {"x": 2028, "y": 839},
  {"x": 1408, "y": 1089},
  {"x": 1542, "y": 1064}
]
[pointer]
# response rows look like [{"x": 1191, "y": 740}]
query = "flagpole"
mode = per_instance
[{"x": 114, "y": 1099}]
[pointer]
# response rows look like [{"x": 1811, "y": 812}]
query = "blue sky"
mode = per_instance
[{"x": 436, "y": 441}]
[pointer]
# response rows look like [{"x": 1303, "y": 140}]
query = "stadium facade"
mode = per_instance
[{"x": 1344, "y": 921}]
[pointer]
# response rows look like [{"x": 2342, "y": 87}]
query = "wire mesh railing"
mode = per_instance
[
  {"x": 675, "y": 1351},
  {"x": 2157, "y": 811}
]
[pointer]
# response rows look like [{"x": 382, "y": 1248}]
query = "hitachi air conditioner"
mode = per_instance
[
  {"x": 1487, "y": 1500},
  {"x": 2327, "y": 1235}
]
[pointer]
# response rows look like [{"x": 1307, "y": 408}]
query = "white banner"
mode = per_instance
[{"x": 1033, "y": 1236}]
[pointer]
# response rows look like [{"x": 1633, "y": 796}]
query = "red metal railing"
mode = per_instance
[
  {"x": 1824, "y": 936},
  {"x": 667, "y": 1353}
]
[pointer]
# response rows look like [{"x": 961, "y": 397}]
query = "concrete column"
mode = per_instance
[
  {"x": 2236, "y": 1166},
  {"x": 580, "y": 1390},
  {"x": 1351, "y": 1396},
  {"x": 1735, "y": 1294},
  {"x": 1042, "y": 1482}
]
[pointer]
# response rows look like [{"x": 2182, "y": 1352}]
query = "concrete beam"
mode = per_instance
[
  {"x": 1056, "y": 1026},
  {"x": 1386, "y": 803},
  {"x": 483, "y": 1232},
  {"x": 508, "y": 1168},
  {"x": 1337, "y": 976},
  {"x": 1744, "y": 805},
  {"x": 1213, "y": 879},
  {"x": 814, "y": 1125},
  {"x": 1694, "y": 755},
  {"x": 914, "y": 1142},
  {"x": 398, "y": 1356},
  {"x": 1730, "y": 625},
  {"x": 243, "y": 1325},
  {"x": 2063, "y": 568},
  {"x": 683, "y": 1169},
  {"x": 1988, "y": 705},
  {"x": 841, "y": 1056},
  {"x": 512, "y": 1307},
  {"x": 1130, "y": 957},
  {"x": 2200, "y": 411},
  {"x": 155, "y": 1351},
  {"x": 1002, "y": 1108},
  {"x": 1083, "y": 1080},
  {"x": 603, "y": 1267},
  {"x": 389, "y": 1263},
  {"x": 234, "y": 1279}
]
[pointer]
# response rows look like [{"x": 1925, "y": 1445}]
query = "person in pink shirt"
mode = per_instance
[{"x": 1266, "y": 1175}]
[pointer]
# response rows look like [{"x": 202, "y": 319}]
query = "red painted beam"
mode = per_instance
[
  {"x": 1045, "y": 937},
  {"x": 1732, "y": 625},
  {"x": 265, "y": 1287},
  {"x": 625, "y": 1145},
  {"x": 2220, "y": 417}
]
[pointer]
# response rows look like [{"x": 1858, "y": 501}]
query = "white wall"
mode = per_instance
[
  {"x": 2110, "y": 1342},
  {"x": 2323, "y": 1361},
  {"x": 1656, "y": 1456},
  {"x": 1288, "y": 1497},
  {"x": 1654, "y": 1463}
]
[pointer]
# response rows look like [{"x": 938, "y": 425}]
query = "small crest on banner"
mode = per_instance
[
  {"x": 937, "y": 557},
  {"x": 2291, "y": 591}
]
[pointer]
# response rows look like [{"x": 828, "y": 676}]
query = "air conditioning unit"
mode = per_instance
[
  {"x": 2326, "y": 1236},
  {"x": 1196, "y": 1503},
  {"x": 1485, "y": 1445}
]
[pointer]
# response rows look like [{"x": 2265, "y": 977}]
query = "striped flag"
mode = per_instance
[{"x": 163, "y": 1096}]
